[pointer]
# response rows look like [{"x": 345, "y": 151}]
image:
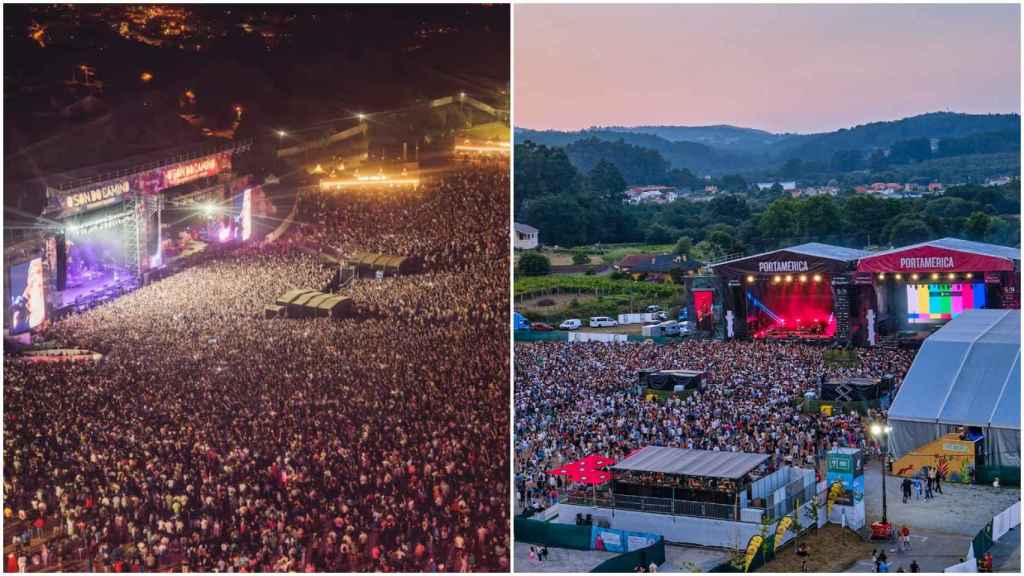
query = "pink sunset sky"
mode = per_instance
[{"x": 778, "y": 68}]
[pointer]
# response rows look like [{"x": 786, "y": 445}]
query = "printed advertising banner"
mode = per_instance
[
  {"x": 185, "y": 172},
  {"x": 612, "y": 540},
  {"x": 781, "y": 262},
  {"x": 930, "y": 259},
  {"x": 847, "y": 470}
]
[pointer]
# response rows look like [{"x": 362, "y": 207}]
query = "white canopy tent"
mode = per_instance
[{"x": 966, "y": 374}]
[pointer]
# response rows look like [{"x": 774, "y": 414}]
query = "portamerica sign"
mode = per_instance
[
  {"x": 782, "y": 266},
  {"x": 928, "y": 262}
]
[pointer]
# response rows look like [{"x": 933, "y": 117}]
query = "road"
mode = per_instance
[{"x": 942, "y": 528}]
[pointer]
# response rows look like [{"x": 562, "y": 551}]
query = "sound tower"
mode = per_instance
[{"x": 62, "y": 261}]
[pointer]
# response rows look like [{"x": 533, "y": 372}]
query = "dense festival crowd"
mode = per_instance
[
  {"x": 210, "y": 439},
  {"x": 577, "y": 399},
  {"x": 463, "y": 228}
]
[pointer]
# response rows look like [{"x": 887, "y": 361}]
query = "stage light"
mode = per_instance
[
  {"x": 952, "y": 276},
  {"x": 881, "y": 276},
  {"x": 462, "y": 94},
  {"x": 776, "y": 279},
  {"x": 361, "y": 116},
  {"x": 876, "y": 430},
  {"x": 803, "y": 277},
  {"x": 788, "y": 278},
  {"x": 209, "y": 209},
  {"x": 750, "y": 279},
  {"x": 970, "y": 275},
  {"x": 914, "y": 276},
  {"x": 282, "y": 133},
  {"x": 224, "y": 234},
  {"x": 146, "y": 76},
  {"x": 817, "y": 277},
  {"x": 935, "y": 275},
  {"x": 899, "y": 276}
]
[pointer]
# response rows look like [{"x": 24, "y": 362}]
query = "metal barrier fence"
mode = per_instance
[
  {"x": 656, "y": 505},
  {"x": 561, "y": 336},
  {"x": 628, "y": 562},
  {"x": 795, "y": 497},
  {"x": 551, "y": 533}
]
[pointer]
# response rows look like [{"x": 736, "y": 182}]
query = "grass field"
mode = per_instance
[
  {"x": 596, "y": 285},
  {"x": 605, "y": 253},
  {"x": 614, "y": 254},
  {"x": 582, "y": 296}
]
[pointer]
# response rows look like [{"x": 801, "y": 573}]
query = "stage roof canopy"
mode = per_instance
[
  {"x": 966, "y": 374},
  {"x": 813, "y": 257},
  {"x": 943, "y": 255},
  {"x": 685, "y": 462}
]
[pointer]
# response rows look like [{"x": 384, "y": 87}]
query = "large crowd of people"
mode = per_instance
[
  {"x": 211, "y": 439},
  {"x": 577, "y": 399}
]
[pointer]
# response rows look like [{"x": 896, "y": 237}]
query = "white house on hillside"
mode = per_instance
[{"x": 525, "y": 237}]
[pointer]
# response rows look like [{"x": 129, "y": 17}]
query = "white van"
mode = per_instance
[
  {"x": 571, "y": 324},
  {"x": 669, "y": 328},
  {"x": 602, "y": 322}
]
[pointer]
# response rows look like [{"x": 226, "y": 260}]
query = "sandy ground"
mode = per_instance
[
  {"x": 677, "y": 559},
  {"x": 559, "y": 559},
  {"x": 942, "y": 528},
  {"x": 692, "y": 558},
  {"x": 832, "y": 549}
]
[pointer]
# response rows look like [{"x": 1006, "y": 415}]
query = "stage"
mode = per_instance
[
  {"x": 95, "y": 288},
  {"x": 795, "y": 294}
]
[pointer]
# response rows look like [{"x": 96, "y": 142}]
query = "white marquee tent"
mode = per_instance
[{"x": 966, "y": 374}]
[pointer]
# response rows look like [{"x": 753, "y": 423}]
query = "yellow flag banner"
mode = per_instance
[
  {"x": 781, "y": 529},
  {"x": 834, "y": 492},
  {"x": 826, "y": 409},
  {"x": 752, "y": 547}
]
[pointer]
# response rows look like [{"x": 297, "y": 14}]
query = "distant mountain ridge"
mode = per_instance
[
  {"x": 720, "y": 135},
  {"x": 723, "y": 148}
]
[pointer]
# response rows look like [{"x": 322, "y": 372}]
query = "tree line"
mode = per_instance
[{"x": 574, "y": 207}]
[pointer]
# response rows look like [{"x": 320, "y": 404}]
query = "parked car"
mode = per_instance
[
  {"x": 541, "y": 327},
  {"x": 687, "y": 327},
  {"x": 661, "y": 316},
  {"x": 571, "y": 324},
  {"x": 669, "y": 328},
  {"x": 653, "y": 308},
  {"x": 602, "y": 322}
]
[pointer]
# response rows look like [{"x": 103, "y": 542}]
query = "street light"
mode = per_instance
[{"x": 877, "y": 430}]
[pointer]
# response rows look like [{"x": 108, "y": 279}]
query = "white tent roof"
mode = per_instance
[
  {"x": 967, "y": 373},
  {"x": 686, "y": 462}
]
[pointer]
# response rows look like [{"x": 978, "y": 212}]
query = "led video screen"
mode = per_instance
[
  {"x": 27, "y": 307},
  {"x": 247, "y": 214},
  {"x": 928, "y": 303},
  {"x": 242, "y": 212}
]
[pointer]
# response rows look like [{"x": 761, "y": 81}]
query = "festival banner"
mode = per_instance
[
  {"x": 781, "y": 529},
  {"x": 96, "y": 196},
  {"x": 781, "y": 262},
  {"x": 185, "y": 172},
  {"x": 927, "y": 259},
  {"x": 752, "y": 547},
  {"x": 613, "y": 540}
]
